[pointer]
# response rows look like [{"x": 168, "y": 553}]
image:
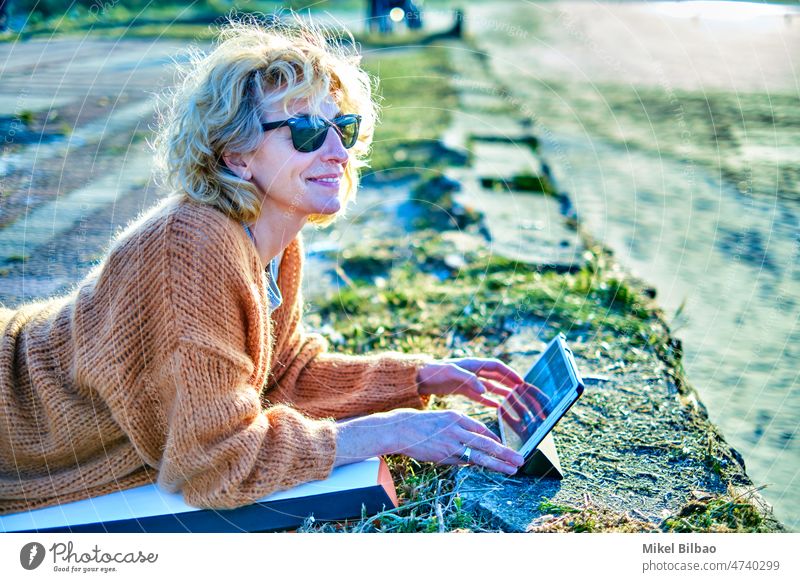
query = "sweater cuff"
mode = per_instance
[
  {"x": 326, "y": 432},
  {"x": 312, "y": 443},
  {"x": 408, "y": 367}
]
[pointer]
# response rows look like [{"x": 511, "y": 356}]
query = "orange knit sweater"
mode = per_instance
[{"x": 165, "y": 364}]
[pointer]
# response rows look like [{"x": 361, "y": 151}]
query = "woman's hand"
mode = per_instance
[
  {"x": 440, "y": 436},
  {"x": 472, "y": 377}
]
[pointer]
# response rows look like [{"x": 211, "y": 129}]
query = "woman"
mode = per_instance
[{"x": 182, "y": 358}]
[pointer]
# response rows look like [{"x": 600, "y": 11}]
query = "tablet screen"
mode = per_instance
[{"x": 526, "y": 409}]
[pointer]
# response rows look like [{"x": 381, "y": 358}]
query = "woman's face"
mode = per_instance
[{"x": 296, "y": 182}]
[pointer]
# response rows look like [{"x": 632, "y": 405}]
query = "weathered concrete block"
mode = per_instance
[
  {"x": 504, "y": 161},
  {"x": 524, "y": 228}
]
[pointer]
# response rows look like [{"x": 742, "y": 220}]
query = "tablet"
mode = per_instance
[{"x": 530, "y": 412}]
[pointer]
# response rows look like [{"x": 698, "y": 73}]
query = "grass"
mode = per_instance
[
  {"x": 179, "y": 31},
  {"x": 116, "y": 16},
  {"x": 561, "y": 518},
  {"x": 713, "y": 514},
  {"x": 521, "y": 183},
  {"x": 27, "y": 117},
  {"x": 415, "y": 305},
  {"x": 729, "y": 513}
]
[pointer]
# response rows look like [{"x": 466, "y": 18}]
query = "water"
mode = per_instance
[{"x": 674, "y": 127}]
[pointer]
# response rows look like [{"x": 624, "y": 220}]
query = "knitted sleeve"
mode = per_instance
[
  {"x": 222, "y": 449},
  {"x": 326, "y": 384},
  {"x": 323, "y": 384}
]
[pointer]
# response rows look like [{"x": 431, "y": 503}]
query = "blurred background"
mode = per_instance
[{"x": 673, "y": 126}]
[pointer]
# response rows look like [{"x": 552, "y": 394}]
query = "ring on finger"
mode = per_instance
[{"x": 466, "y": 455}]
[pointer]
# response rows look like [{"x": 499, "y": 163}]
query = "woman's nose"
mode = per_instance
[{"x": 332, "y": 148}]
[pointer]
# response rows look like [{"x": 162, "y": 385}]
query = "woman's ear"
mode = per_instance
[{"x": 238, "y": 165}]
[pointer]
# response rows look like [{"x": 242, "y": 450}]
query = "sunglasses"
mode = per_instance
[{"x": 308, "y": 135}]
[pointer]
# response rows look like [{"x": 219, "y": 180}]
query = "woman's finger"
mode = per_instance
[
  {"x": 483, "y": 400},
  {"x": 493, "y": 369},
  {"x": 455, "y": 458},
  {"x": 475, "y": 389},
  {"x": 471, "y": 387},
  {"x": 451, "y": 461},
  {"x": 481, "y": 459},
  {"x": 495, "y": 388}
]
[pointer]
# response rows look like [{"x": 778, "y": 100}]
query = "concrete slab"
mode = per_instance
[
  {"x": 467, "y": 126},
  {"x": 524, "y": 227},
  {"x": 634, "y": 446},
  {"x": 504, "y": 161}
]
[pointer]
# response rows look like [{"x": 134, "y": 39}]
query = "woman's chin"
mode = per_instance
[{"x": 328, "y": 207}]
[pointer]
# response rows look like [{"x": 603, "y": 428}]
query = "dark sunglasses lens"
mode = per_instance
[
  {"x": 348, "y": 129},
  {"x": 308, "y": 138}
]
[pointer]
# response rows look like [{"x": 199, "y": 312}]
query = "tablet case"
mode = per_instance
[
  {"x": 544, "y": 462},
  {"x": 348, "y": 491}
]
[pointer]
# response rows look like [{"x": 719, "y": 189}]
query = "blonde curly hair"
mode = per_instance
[{"x": 216, "y": 106}]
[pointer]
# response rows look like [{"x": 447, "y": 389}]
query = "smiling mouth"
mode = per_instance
[{"x": 326, "y": 181}]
